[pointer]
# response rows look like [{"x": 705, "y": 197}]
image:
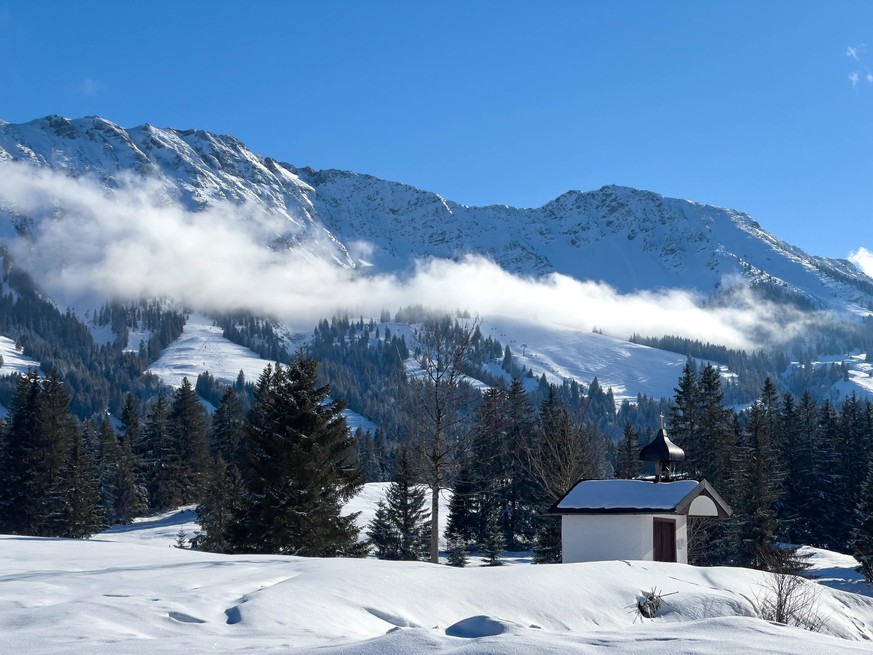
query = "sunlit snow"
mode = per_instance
[{"x": 130, "y": 591}]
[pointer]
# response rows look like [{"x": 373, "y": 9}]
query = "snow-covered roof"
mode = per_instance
[{"x": 635, "y": 496}]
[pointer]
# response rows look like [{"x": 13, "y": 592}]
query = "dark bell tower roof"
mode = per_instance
[
  {"x": 662, "y": 450},
  {"x": 663, "y": 453}
]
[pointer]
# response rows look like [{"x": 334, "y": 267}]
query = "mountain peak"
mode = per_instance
[{"x": 630, "y": 238}]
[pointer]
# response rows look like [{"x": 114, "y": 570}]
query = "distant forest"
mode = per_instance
[{"x": 94, "y": 441}]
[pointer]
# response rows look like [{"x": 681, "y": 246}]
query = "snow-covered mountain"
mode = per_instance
[{"x": 633, "y": 240}]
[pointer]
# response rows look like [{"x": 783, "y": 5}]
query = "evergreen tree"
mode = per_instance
[
  {"x": 684, "y": 418},
  {"x": 75, "y": 494},
  {"x": 34, "y": 449},
  {"x": 716, "y": 436},
  {"x": 716, "y": 460},
  {"x": 188, "y": 453},
  {"x": 228, "y": 428},
  {"x": 494, "y": 543},
  {"x": 48, "y": 449},
  {"x": 807, "y": 490},
  {"x": 131, "y": 499},
  {"x": 482, "y": 485},
  {"x": 457, "y": 550},
  {"x": 522, "y": 505},
  {"x": 862, "y": 534},
  {"x": 854, "y": 447},
  {"x": 828, "y": 518},
  {"x": 131, "y": 423},
  {"x": 629, "y": 464},
  {"x": 547, "y": 546},
  {"x": 300, "y": 466},
  {"x": 16, "y": 466},
  {"x": 222, "y": 510},
  {"x": 798, "y": 459},
  {"x": 161, "y": 459},
  {"x": 401, "y": 529},
  {"x": 464, "y": 506},
  {"x": 758, "y": 484},
  {"x": 108, "y": 466},
  {"x": 382, "y": 534}
]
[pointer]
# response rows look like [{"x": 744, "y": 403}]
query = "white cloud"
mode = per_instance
[
  {"x": 852, "y": 52},
  {"x": 863, "y": 259},
  {"x": 89, "y": 243},
  {"x": 853, "y": 78}
]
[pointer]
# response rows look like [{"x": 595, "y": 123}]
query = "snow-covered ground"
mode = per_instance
[
  {"x": 860, "y": 378},
  {"x": 14, "y": 361},
  {"x": 129, "y": 591},
  {"x": 567, "y": 353}
]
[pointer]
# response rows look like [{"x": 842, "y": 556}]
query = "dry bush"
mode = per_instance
[{"x": 785, "y": 596}]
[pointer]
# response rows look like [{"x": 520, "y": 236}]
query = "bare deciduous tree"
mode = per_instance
[
  {"x": 563, "y": 451},
  {"x": 442, "y": 403}
]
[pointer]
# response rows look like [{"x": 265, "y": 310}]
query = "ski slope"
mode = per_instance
[{"x": 202, "y": 348}]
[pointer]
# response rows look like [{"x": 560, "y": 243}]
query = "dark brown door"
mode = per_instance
[{"x": 665, "y": 540}]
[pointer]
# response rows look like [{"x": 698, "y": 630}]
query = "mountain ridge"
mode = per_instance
[{"x": 633, "y": 240}]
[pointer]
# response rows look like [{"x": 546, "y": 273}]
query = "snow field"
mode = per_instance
[
  {"x": 14, "y": 361},
  {"x": 129, "y": 591}
]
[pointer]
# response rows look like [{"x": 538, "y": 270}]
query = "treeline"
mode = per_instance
[
  {"x": 96, "y": 377},
  {"x": 793, "y": 470},
  {"x": 276, "y": 478},
  {"x": 364, "y": 362},
  {"x": 751, "y": 370},
  {"x": 521, "y": 459},
  {"x": 262, "y": 336},
  {"x": 272, "y": 481}
]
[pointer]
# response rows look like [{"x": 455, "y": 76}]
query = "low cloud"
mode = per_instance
[
  {"x": 87, "y": 242},
  {"x": 863, "y": 259}
]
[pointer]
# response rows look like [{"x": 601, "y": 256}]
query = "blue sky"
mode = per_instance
[{"x": 760, "y": 106}]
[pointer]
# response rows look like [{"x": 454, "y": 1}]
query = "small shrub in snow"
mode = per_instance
[
  {"x": 651, "y": 603},
  {"x": 785, "y": 596}
]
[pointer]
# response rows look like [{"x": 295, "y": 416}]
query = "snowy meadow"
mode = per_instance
[{"x": 130, "y": 590}]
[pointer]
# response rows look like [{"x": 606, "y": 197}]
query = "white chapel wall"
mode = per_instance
[{"x": 591, "y": 538}]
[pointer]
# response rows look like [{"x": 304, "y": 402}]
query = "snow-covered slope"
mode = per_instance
[
  {"x": 125, "y": 591},
  {"x": 13, "y": 362},
  {"x": 565, "y": 353},
  {"x": 633, "y": 240},
  {"x": 202, "y": 348},
  {"x": 13, "y": 359}
]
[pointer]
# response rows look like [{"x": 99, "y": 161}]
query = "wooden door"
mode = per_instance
[{"x": 665, "y": 540}]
